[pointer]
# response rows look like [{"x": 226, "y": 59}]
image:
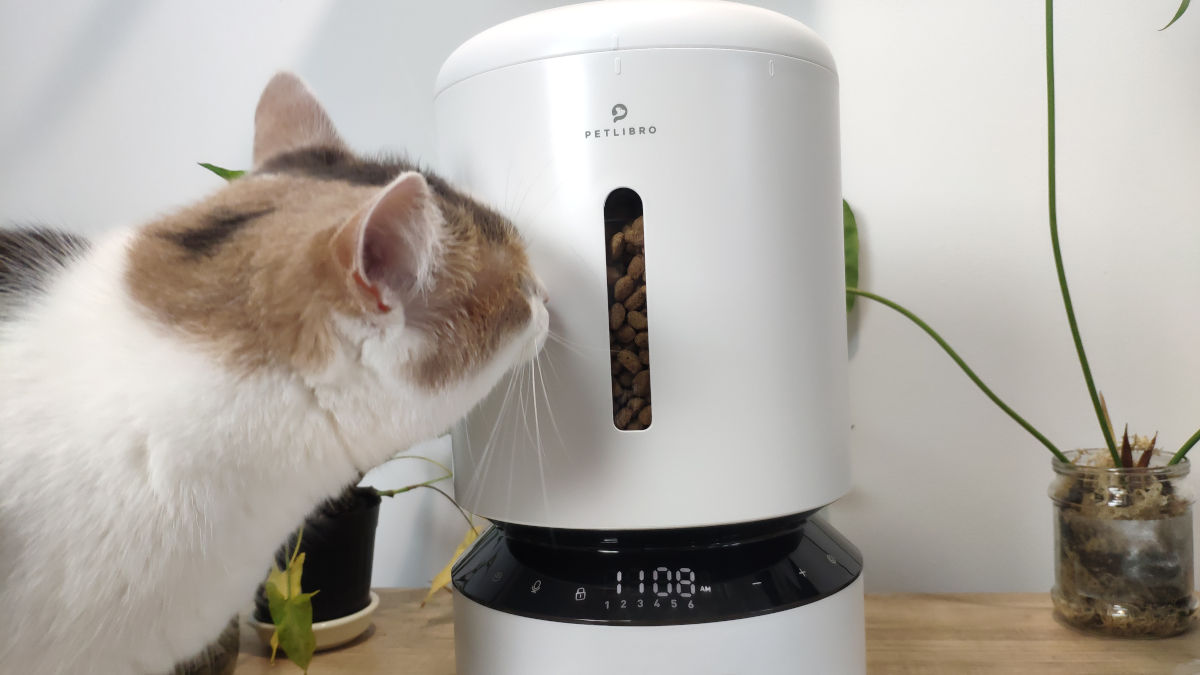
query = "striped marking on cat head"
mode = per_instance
[{"x": 262, "y": 270}]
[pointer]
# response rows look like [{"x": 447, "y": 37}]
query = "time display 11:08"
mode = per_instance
[{"x": 662, "y": 582}]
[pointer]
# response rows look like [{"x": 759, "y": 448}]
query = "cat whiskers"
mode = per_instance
[
  {"x": 483, "y": 465},
  {"x": 537, "y": 428},
  {"x": 537, "y": 363},
  {"x": 512, "y": 456}
]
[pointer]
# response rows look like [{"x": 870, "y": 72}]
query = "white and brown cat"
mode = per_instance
[{"x": 174, "y": 398}]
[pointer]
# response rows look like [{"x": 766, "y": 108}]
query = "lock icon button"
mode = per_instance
[{"x": 580, "y": 593}]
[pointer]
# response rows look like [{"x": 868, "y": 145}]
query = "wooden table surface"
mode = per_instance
[{"x": 954, "y": 634}]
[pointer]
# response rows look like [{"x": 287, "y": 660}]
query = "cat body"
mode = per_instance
[{"x": 175, "y": 398}]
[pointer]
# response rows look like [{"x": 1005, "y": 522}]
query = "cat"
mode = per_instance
[{"x": 176, "y": 397}]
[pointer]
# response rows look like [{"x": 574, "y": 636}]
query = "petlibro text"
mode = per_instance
[{"x": 620, "y": 131}]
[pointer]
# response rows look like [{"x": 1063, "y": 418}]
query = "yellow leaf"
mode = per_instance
[
  {"x": 294, "y": 571},
  {"x": 274, "y": 645},
  {"x": 277, "y": 581},
  {"x": 442, "y": 580}
]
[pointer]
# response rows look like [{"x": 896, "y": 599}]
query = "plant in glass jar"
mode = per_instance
[{"x": 1123, "y": 513}]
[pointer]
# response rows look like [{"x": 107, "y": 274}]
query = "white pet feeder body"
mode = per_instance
[{"x": 723, "y": 119}]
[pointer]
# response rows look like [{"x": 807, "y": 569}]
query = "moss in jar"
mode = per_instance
[{"x": 1123, "y": 546}]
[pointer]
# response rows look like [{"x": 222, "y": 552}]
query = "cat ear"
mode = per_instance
[
  {"x": 288, "y": 118},
  {"x": 390, "y": 253}
]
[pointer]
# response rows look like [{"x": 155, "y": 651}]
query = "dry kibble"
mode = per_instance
[
  {"x": 623, "y": 417},
  {"x": 617, "y": 244},
  {"x": 645, "y": 416},
  {"x": 624, "y": 287},
  {"x": 637, "y": 267},
  {"x": 635, "y": 319},
  {"x": 636, "y": 234},
  {"x": 616, "y": 316},
  {"x": 630, "y": 342},
  {"x": 637, "y": 299},
  {"x": 640, "y": 383},
  {"x": 629, "y": 360}
]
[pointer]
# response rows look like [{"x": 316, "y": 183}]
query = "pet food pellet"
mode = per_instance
[
  {"x": 629, "y": 360},
  {"x": 640, "y": 383},
  {"x": 617, "y": 244},
  {"x": 629, "y": 380},
  {"x": 635, "y": 235},
  {"x": 637, "y": 299},
  {"x": 645, "y": 416},
  {"x": 635, "y": 426},
  {"x": 623, "y": 417},
  {"x": 636, "y": 404},
  {"x": 635, "y": 319},
  {"x": 626, "y": 334},
  {"x": 644, "y": 357},
  {"x": 637, "y": 267},
  {"x": 616, "y": 317},
  {"x": 613, "y": 275},
  {"x": 641, "y": 339},
  {"x": 623, "y": 288}
]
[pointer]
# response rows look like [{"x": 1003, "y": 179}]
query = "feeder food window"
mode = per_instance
[{"x": 629, "y": 332}]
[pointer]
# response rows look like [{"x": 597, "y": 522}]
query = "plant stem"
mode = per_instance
[
  {"x": 1058, "y": 263},
  {"x": 409, "y": 488},
  {"x": 434, "y": 462},
  {"x": 1178, "y": 456},
  {"x": 455, "y": 503},
  {"x": 296, "y": 552},
  {"x": 966, "y": 369}
]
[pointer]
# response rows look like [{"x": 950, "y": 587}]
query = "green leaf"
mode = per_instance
[
  {"x": 291, "y": 612},
  {"x": 1182, "y": 8},
  {"x": 850, "y": 232},
  {"x": 227, "y": 174}
]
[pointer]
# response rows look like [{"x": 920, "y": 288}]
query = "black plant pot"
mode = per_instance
[{"x": 339, "y": 545}]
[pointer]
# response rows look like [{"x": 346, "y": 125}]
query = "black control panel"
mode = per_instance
[{"x": 657, "y": 577}]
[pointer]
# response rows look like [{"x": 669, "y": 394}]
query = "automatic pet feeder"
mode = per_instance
[{"x": 674, "y": 533}]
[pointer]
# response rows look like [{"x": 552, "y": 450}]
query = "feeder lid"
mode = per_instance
[{"x": 617, "y": 25}]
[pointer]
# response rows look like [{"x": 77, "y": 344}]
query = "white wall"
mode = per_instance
[{"x": 105, "y": 105}]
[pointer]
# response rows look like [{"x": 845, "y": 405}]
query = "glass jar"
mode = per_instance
[{"x": 1123, "y": 545}]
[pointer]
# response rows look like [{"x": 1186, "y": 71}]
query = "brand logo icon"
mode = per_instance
[{"x": 619, "y": 112}]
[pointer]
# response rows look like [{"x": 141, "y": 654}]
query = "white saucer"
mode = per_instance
[{"x": 329, "y": 634}]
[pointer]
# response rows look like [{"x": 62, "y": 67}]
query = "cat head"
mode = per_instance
[{"x": 350, "y": 272}]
